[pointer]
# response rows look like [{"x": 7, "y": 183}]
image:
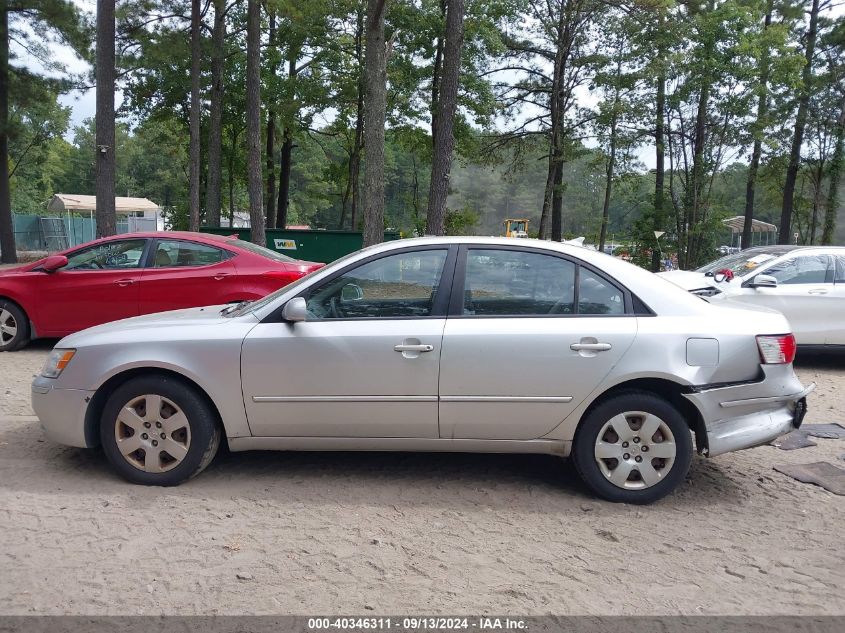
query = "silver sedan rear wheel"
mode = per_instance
[
  {"x": 635, "y": 450},
  {"x": 153, "y": 433},
  {"x": 633, "y": 447}
]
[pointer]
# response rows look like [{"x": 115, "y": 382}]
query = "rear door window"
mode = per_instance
[
  {"x": 524, "y": 283},
  {"x": 517, "y": 283},
  {"x": 596, "y": 295},
  {"x": 181, "y": 254}
]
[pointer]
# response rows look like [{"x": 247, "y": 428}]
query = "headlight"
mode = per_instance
[{"x": 56, "y": 362}]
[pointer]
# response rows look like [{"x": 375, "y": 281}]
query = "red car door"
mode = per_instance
[
  {"x": 185, "y": 274},
  {"x": 99, "y": 284}
]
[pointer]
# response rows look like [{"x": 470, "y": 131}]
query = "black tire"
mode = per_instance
[
  {"x": 21, "y": 324},
  {"x": 202, "y": 422},
  {"x": 672, "y": 473}
]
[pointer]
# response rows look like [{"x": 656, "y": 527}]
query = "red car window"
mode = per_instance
[
  {"x": 114, "y": 255},
  {"x": 178, "y": 253}
]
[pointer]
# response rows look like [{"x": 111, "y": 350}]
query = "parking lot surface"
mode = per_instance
[{"x": 275, "y": 533}]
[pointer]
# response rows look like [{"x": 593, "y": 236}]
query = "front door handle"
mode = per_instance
[
  {"x": 817, "y": 291},
  {"x": 221, "y": 276},
  {"x": 413, "y": 348},
  {"x": 124, "y": 282},
  {"x": 593, "y": 347}
]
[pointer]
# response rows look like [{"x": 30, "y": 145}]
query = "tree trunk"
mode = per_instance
[
  {"x": 284, "y": 182},
  {"x": 231, "y": 174},
  {"x": 544, "y": 231},
  {"x": 557, "y": 202},
  {"x": 696, "y": 184},
  {"x": 253, "y": 121},
  {"x": 194, "y": 125},
  {"x": 269, "y": 159},
  {"x": 611, "y": 161},
  {"x": 8, "y": 250},
  {"x": 835, "y": 176},
  {"x": 104, "y": 121},
  {"x": 354, "y": 166},
  {"x": 353, "y": 185},
  {"x": 758, "y": 129},
  {"x": 270, "y": 162},
  {"x": 447, "y": 103},
  {"x": 285, "y": 163},
  {"x": 435, "y": 76},
  {"x": 659, "y": 218},
  {"x": 355, "y": 162},
  {"x": 554, "y": 174},
  {"x": 785, "y": 230},
  {"x": 375, "y": 104},
  {"x": 605, "y": 212},
  {"x": 213, "y": 198}
]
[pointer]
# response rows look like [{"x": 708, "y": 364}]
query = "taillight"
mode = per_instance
[
  {"x": 284, "y": 276},
  {"x": 776, "y": 349}
]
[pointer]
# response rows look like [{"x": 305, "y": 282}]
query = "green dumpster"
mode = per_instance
[{"x": 314, "y": 246}]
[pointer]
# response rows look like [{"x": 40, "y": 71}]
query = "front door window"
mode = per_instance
[{"x": 401, "y": 285}]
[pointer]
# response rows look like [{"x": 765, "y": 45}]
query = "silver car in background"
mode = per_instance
[
  {"x": 805, "y": 283},
  {"x": 437, "y": 344}
]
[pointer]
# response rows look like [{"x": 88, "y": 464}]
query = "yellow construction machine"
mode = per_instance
[{"x": 516, "y": 227}]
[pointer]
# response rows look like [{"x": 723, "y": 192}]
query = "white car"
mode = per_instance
[{"x": 805, "y": 283}]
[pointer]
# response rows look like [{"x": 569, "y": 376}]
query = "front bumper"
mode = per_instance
[
  {"x": 748, "y": 415},
  {"x": 61, "y": 412}
]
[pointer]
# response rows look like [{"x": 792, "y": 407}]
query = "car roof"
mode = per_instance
[
  {"x": 784, "y": 249},
  {"x": 184, "y": 235}
]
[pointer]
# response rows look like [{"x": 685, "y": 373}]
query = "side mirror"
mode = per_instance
[
  {"x": 53, "y": 263},
  {"x": 763, "y": 281},
  {"x": 295, "y": 310}
]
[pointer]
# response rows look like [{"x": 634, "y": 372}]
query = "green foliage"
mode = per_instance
[{"x": 709, "y": 50}]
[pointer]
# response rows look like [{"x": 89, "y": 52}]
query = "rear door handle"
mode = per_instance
[
  {"x": 593, "y": 347},
  {"x": 124, "y": 282},
  {"x": 413, "y": 348},
  {"x": 817, "y": 291},
  {"x": 221, "y": 276}
]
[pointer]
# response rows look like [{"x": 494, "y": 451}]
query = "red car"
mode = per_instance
[{"x": 132, "y": 274}]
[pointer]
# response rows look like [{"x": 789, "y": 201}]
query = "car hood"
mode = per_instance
[
  {"x": 689, "y": 280},
  {"x": 15, "y": 270},
  {"x": 134, "y": 328}
]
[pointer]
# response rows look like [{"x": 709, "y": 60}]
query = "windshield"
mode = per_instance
[
  {"x": 740, "y": 263},
  {"x": 260, "y": 250}
]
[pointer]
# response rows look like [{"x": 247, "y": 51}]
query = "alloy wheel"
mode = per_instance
[
  {"x": 153, "y": 434},
  {"x": 8, "y": 327},
  {"x": 635, "y": 450}
]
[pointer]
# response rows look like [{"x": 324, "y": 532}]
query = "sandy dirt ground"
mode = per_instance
[{"x": 277, "y": 533}]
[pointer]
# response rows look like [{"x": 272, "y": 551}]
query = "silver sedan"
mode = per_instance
[{"x": 437, "y": 344}]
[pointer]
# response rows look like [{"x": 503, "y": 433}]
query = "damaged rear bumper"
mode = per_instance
[{"x": 750, "y": 414}]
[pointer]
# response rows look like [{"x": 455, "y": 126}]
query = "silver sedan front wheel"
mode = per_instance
[
  {"x": 159, "y": 430},
  {"x": 635, "y": 449},
  {"x": 153, "y": 433}
]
